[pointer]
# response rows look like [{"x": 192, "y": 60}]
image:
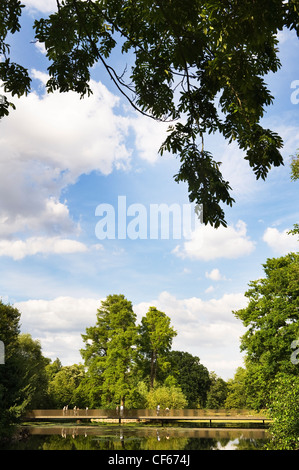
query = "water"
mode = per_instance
[{"x": 128, "y": 437}]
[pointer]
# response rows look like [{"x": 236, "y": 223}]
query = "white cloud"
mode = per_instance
[
  {"x": 59, "y": 138},
  {"x": 58, "y": 324},
  {"x": 70, "y": 134},
  {"x": 208, "y": 243},
  {"x": 215, "y": 275},
  {"x": 44, "y": 6},
  {"x": 290, "y": 135},
  {"x": 149, "y": 135},
  {"x": 63, "y": 313},
  {"x": 281, "y": 242},
  {"x": 46, "y": 214},
  {"x": 18, "y": 249},
  {"x": 40, "y": 46},
  {"x": 236, "y": 170},
  {"x": 194, "y": 309},
  {"x": 286, "y": 35},
  {"x": 209, "y": 289}
]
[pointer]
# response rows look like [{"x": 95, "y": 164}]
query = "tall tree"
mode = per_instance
[
  {"x": 9, "y": 374},
  {"x": 191, "y": 376},
  {"x": 271, "y": 318},
  {"x": 23, "y": 376},
  {"x": 198, "y": 64},
  {"x": 110, "y": 351},
  {"x": 64, "y": 386},
  {"x": 217, "y": 393},
  {"x": 236, "y": 390},
  {"x": 155, "y": 340},
  {"x": 33, "y": 378}
]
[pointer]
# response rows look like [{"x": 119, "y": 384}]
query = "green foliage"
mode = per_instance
[
  {"x": 9, "y": 379},
  {"x": 166, "y": 397},
  {"x": 23, "y": 379},
  {"x": 15, "y": 79},
  {"x": 271, "y": 319},
  {"x": 236, "y": 391},
  {"x": 191, "y": 376},
  {"x": 295, "y": 167},
  {"x": 52, "y": 368},
  {"x": 217, "y": 393},
  {"x": 110, "y": 351},
  {"x": 295, "y": 230},
  {"x": 284, "y": 410},
  {"x": 31, "y": 370},
  {"x": 64, "y": 388},
  {"x": 120, "y": 356},
  {"x": 9, "y": 328},
  {"x": 154, "y": 342}
]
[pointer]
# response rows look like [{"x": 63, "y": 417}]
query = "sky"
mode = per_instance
[{"x": 65, "y": 161}]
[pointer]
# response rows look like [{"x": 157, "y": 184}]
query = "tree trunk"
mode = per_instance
[{"x": 153, "y": 370}]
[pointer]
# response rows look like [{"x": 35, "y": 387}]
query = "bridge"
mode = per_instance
[{"x": 148, "y": 415}]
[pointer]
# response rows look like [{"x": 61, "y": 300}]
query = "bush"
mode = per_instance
[
  {"x": 166, "y": 397},
  {"x": 284, "y": 411}
]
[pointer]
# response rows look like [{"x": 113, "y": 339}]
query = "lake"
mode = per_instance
[{"x": 131, "y": 437}]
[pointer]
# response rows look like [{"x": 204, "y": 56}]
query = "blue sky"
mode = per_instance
[{"x": 62, "y": 157}]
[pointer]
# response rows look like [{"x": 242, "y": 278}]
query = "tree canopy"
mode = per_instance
[
  {"x": 199, "y": 65},
  {"x": 191, "y": 376},
  {"x": 110, "y": 351},
  {"x": 155, "y": 339},
  {"x": 23, "y": 378},
  {"x": 271, "y": 318},
  {"x": 9, "y": 390}
]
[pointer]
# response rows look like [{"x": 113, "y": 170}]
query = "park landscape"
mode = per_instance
[{"x": 146, "y": 318}]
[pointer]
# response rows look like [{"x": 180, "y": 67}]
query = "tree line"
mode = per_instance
[
  {"x": 134, "y": 365},
  {"x": 123, "y": 363}
]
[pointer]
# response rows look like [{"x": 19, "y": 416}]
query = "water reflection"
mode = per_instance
[{"x": 141, "y": 438}]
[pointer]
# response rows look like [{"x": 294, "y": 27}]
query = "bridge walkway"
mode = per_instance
[{"x": 147, "y": 414}]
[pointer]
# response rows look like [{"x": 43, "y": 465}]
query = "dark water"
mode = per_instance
[{"x": 107, "y": 437}]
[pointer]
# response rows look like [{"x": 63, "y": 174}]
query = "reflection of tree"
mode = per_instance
[
  {"x": 202, "y": 443},
  {"x": 114, "y": 439},
  {"x": 250, "y": 444},
  {"x": 162, "y": 442}
]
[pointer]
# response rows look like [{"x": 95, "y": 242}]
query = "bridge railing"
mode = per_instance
[{"x": 142, "y": 413}]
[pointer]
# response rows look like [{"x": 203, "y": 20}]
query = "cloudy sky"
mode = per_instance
[{"x": 64, "y": 160}]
